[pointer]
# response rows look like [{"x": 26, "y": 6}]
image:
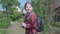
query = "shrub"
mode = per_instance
[{"x": 4, "y": 22}]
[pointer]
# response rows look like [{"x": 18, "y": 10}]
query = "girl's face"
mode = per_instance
[{"x": 29, "y": 8}]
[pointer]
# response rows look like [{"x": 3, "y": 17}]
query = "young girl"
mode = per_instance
[{"x": 30, "y": 21}]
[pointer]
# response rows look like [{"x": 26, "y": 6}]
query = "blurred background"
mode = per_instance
[{"x": 11, "y": 15}]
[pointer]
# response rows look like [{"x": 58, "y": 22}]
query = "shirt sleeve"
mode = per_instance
[{"x": 32, "y": 22}]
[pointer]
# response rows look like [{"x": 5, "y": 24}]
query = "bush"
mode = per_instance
[
  {"x": 13, "y": 13},
  {"x": 4, "y": 22},
  {"x": 16, "y": 15}
]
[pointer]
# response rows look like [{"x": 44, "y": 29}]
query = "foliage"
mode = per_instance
[
  {"x": 3, "y": 20},
  {"x": 10, "y": 13},
  {"x": 6, "y": 3},
  {"x": 3, "y": 31},
  {"x": 13, "y": 13},
  {"x": 44, "y": 9},
  {"x": 16, "y": 15},
  {"x": 11, "y": 10}
]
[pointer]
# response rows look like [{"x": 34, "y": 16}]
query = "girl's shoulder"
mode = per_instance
[{"x": 32, "y": 13}]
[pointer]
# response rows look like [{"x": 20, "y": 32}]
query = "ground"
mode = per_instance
[{"x": 15, "y": 28}]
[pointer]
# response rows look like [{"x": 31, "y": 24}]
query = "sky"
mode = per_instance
[
  {"x": 22, "y": 3},
  {"x": 0, "y": 7}
]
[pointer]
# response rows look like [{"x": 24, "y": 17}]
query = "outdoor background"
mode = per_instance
[{"x": 11, "y": 18}]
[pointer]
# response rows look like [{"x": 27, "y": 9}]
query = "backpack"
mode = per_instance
[
  {"x": 39, "y": 27},
  {"x": 39, "y": 24}
]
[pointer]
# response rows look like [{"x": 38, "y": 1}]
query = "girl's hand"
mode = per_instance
[{"x": 24, "y": 25}]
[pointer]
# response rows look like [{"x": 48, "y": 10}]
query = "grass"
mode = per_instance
[
  {"x": 20, "y": 20},
  {"x": 3, "y": 31},
  {"x": 4, "y": 22}
]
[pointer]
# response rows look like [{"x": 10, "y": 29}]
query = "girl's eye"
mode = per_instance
[{"x": 26, "y": 7}]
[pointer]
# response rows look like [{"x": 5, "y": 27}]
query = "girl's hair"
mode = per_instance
[{"x": 28, "y": 3}]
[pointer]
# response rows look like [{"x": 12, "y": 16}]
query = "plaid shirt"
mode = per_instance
[{"x": 31, "y": 24}]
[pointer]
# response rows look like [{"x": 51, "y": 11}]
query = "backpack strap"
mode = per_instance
[{"x": 27, "y": 16}]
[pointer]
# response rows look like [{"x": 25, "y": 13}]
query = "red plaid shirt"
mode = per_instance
[{"x": 31, "y": 24}]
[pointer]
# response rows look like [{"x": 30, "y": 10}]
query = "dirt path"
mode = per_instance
[{"x": 15, "y": 28}]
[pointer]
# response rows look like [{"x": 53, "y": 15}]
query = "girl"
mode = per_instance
[{"x": 30, "y": 21}]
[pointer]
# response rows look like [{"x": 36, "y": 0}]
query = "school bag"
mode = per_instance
[
  {"x": 39, "y": 24},
  {"x": 39, "y": 27}
]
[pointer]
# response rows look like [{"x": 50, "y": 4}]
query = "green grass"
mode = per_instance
[
  {"x": 3, "y": 22},
  {"x": 20, "y": 20},
  {"x": 3, "y": 31}
]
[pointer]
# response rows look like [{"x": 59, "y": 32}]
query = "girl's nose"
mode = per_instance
[{"x": 28, "y": 9}]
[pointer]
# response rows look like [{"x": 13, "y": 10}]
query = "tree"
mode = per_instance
[{"x": 10, "y": 6}]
